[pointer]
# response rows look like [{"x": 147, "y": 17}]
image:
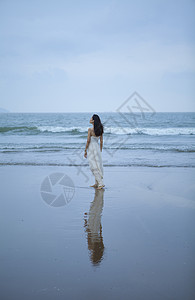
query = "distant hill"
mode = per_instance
[{"x": 3, "y": 110}]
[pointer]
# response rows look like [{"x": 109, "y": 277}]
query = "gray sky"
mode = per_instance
[{"x": 66, "y": 56}]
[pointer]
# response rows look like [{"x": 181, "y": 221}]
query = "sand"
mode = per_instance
[{"x": 134, "y": 240}]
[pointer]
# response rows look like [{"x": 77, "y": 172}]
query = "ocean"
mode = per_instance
[{"x": 58, "y": 139}]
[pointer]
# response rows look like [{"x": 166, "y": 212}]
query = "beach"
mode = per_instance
[
  {"x": 134, "y": 240},
  {"x": 97, "y": 150}
]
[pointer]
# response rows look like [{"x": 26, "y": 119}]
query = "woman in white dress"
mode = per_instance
[{"x": 95, "y": 150}]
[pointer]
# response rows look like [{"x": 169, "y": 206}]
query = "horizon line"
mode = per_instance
[{"x": 76, "y": 112}]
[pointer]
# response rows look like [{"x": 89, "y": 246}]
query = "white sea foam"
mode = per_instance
[
  {"x": 123, "y": 130},
  {"x": 150, "y": 131},
  {"x": 61, "y": 129}
]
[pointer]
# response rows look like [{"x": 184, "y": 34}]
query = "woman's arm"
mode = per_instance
[
  {"x": 88, "y": 141},
  {"x": 101, "y": 142}
]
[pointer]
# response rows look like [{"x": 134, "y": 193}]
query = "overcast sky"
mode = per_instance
[{"x": 66, "y": 56}]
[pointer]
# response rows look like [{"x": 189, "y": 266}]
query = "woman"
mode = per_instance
[{"x": 94, "y": 150}]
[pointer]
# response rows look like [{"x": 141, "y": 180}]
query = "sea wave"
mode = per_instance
[
  {"x": 107, "y": 130},
  {"x": 121, "y": 130},
  {"x": 17, "y": 128},
  {"x": 58, "y": 129},
  {"x": 151, "y": 131}
]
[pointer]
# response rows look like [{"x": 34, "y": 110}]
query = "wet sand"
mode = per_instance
[{"x": 134, "y": 240}]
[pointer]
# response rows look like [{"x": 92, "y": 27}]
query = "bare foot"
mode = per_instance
[
  {"x": 100, "y": 187},
  {"x": 94, "y": 185}
]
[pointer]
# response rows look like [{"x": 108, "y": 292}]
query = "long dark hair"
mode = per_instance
[{"x": 98, "y": 127}]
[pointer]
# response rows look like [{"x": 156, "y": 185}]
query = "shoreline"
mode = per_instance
[{"x": 87, "y": 165}]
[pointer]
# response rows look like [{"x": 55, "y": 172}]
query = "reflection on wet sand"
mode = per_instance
[{"x": 93, "y": 228}]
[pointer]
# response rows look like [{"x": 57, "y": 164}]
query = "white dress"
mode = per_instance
[{"x": 95, "y": 159}]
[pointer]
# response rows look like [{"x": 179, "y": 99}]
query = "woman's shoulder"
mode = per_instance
[{"x": 90, "y": 131}]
